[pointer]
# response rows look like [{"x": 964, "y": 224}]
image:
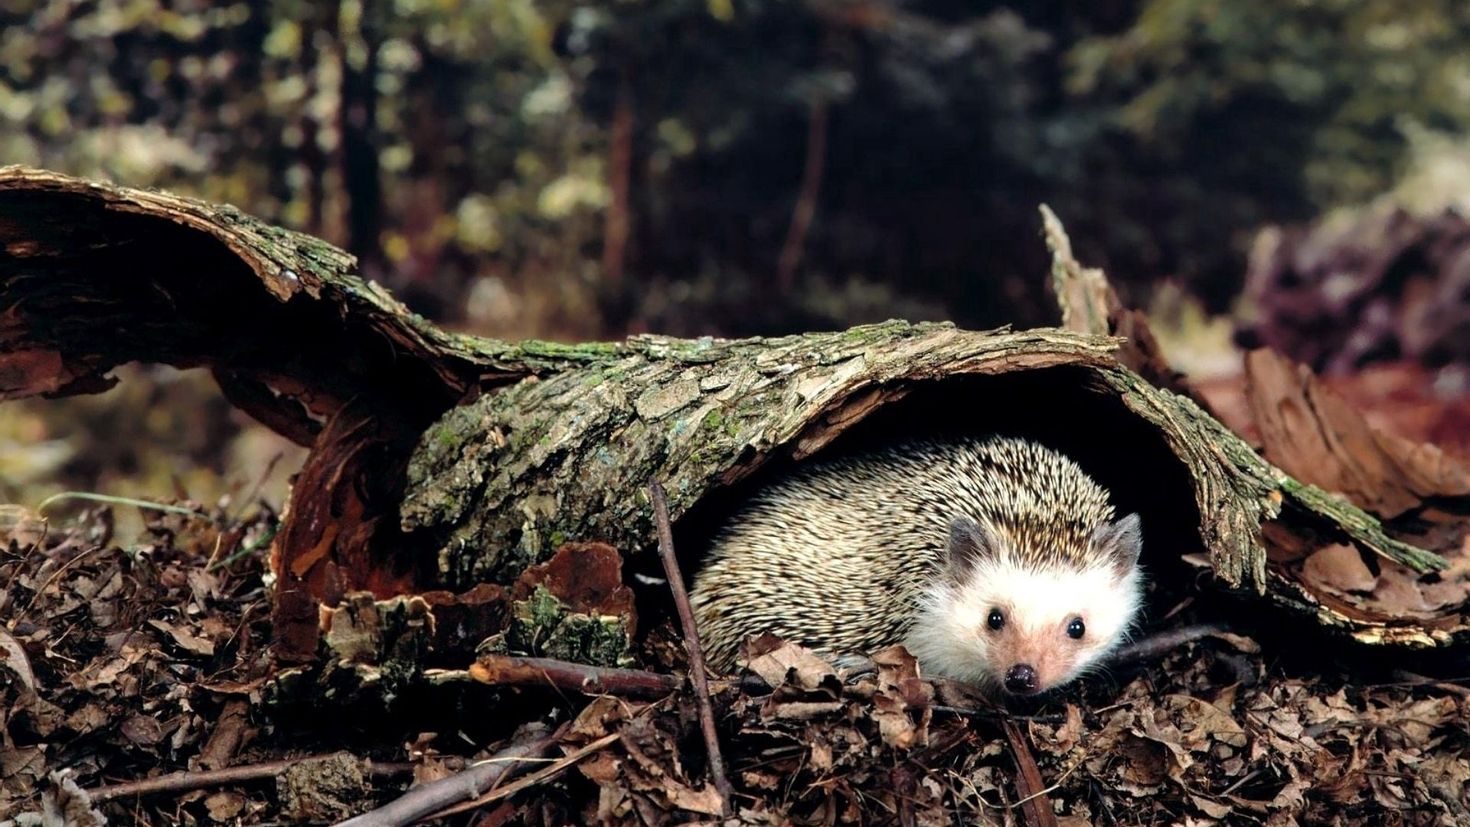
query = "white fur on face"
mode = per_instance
[{"x": 951, "y": 636}]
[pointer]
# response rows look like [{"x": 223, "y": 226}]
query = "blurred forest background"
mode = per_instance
[{"x": 575, "y": 170}]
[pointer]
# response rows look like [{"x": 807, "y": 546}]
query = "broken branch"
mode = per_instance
[
  {"x": 509, "y": 670},
  {"x": 691, "y": 636},
  {"x": 1162, "y": 643},
  {"x": 469, "y": 784},
  {"x": 182, "y": 782}
]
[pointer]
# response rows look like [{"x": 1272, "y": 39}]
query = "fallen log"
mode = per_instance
[{"x": 441, "y": 460}]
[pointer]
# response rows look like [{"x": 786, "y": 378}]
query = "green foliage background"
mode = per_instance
[{"x": 465, "y": 149}]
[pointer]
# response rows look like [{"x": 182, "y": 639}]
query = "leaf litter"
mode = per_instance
[
  {"x": 121, "y": 664},
  {"x": 126, "y": 664}
]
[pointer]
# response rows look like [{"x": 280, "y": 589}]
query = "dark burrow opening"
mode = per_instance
[{"x": 1067, "y": 408}]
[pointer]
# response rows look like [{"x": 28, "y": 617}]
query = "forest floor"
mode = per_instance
[
  {"x": 128, "y": 661},
  {"x": 125, "y": 661}
]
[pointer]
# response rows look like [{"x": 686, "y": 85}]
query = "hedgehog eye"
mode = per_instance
[
  {"x": 1076, "y": 629},
  {"x": 995, "y": 620}
]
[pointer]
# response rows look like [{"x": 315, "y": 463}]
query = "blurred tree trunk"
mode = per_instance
[
  {"x": 359, "y": 117},
  {"x": 312, "y": 156},
  {"x": 806, "y": 199},
  {"x": 620, "y": 173}
]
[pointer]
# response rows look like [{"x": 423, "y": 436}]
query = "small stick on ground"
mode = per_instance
[
  {"x": 1036, "y": 808},
  {"x": 469, "y": 784},
  {"x": 1162, "y": 643},
  {"x": 691, "y": 637},
  {"x": 508, "y": 670},
  {"x": 556, "y": 768},
  {"x": 183, "y": 782}
]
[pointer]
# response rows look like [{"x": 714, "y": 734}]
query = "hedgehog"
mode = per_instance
[{"x": 996, "y": 561}]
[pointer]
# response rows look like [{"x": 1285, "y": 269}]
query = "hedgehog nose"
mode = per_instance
[{"x": 1021, "y": 679}]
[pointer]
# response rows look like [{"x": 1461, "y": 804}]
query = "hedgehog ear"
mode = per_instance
[
  {"x": 1122, "y": 541},
  {"x": 969, "y": 544}
]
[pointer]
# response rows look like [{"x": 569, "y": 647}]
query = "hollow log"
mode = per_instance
[{"x": 446, "y": 460}]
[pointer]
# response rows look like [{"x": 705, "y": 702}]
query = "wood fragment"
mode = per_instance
[
  {"x": 227, "y": 735},
  {"x": 419, "y": 802},
  {"x": 1164, "y": 642},
  {"x": 697, "y": 671},
  {"x": 1313, "y": 434},
  {"x": 556, "y": 768},
  {"x": 182, "y": 782},
  {"x": 1031, "y": 789},
  {"x": 510, "y": 670},
  {"x": 1089, "y": 304}
]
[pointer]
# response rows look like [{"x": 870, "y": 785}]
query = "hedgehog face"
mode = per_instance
[{"x": 993, "y": 617}]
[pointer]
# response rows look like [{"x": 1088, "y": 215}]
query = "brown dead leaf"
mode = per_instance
[
  {"x": 224, "y": 805},
  {"x": 902, "y": 703},
  {"x": 1059, "y": 740},
  {"x": 13, "y": 659},
  {"x": 1143, "y": 770},
  {"x": 654, "y": 767},
  {"x": 1338, "y": 568},
  {"x": 1203, "y": 724},
  {"x": 779, "y": 663},
  {"x": 184, "y": 639},
  {"x": 1213, "y": 809},
  {"x": 600, "y": 717},
  {"x": 21, "y": 526},
  {"x": 602, "y": 767},
  {"x": 1313, "y": 434},
  {"x": 142, "y": 730}
]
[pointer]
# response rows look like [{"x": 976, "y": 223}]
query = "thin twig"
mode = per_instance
[
  {"x": 62, "y": 569},
  {"x": 508, "y": 670},
  {"x": 1035, "y": 807},
  {"x": 1162, "y": 643},
  {"x": 428, "y": 798},
  {"x": 691, "y": 637},
  {"x": 182, "y": 782},
  {"x": 557, "y": 768}
]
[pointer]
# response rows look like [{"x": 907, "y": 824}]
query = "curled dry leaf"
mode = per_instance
[
  {"x": 1338, "y": 568},
  {"x": 649, "y": 769},
  {"x": 1312, "y": 433},
  {"x": 21, "y": 526},
  {"x": 184, "y": 639},
  {"x": 786, "y": 664},
  {"x": 224, "y": 806},
  {"x": 902, "y": 703},
  {"x": 804, "y": 686},
  {"x": 13, "y": 659}
]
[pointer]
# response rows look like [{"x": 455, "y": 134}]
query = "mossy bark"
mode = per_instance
[{"x": 506, "y": 479}]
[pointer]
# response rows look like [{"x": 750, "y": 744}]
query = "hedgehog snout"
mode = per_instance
[{"x": 1021, "y": 679}]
